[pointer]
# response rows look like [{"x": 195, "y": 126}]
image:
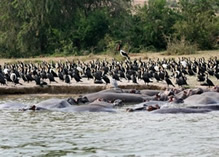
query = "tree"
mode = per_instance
[
  {"x": 198, "y": 23},
  {"x": 156, "y": 20}
]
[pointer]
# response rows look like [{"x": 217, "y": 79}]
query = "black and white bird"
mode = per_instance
[
  {"x": 122, "y": 52},
  {"x": 14, "y": 78},
  {"x": 106, "y": 79}
]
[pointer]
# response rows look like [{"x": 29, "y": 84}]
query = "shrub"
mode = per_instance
[{"x": 180, "y": 47}]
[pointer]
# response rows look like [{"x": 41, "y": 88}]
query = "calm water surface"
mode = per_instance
[{"x": 105, "y": 134}]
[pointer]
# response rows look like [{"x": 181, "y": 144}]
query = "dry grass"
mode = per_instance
[{"x": 143, "y": 56}]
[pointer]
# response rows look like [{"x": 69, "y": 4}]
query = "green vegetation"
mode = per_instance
[
  {"x": 79, "y": 27},
  {"x": 180, "y": 47}
]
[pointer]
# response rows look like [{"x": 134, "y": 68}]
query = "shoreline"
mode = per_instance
[{"x": 70, "y": 89}]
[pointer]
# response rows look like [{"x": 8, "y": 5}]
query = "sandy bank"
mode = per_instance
[{"x": 68, "y": 89}]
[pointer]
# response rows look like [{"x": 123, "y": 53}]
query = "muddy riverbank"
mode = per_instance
[{"x": 68, "y": 89}]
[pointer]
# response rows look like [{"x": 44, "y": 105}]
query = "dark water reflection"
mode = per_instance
[{"x": 106, "y": 134}]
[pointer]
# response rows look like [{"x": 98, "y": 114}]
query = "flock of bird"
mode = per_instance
[{"x": 104, "y": 71}]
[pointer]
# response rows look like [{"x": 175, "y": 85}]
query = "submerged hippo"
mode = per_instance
[
  {"x": 144, "y": 108},
  {"x": 191, "y": 109},
  {"x": 65, "y": 105},
  {"x": 180, "y": 110}
]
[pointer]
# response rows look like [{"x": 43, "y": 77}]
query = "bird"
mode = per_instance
[
  {"x": 77, "y": 77},
  {"x": 14, "y": 78},
  {"x": 169, "y": 82},
  {"x": 2, "y": 80},
  {"x": 201, "y": 77},
  {"x": 67, "y": 79},
  {"x": 146, "y": 78},
  {"x": 209, "y": 82},
  {"x": 39, "y": 82},
  {"x": 60, "y": 75},
  {"x": 98, "y": 77},
  {"x": 106, "y": 79},
  {"x": 116, "y": 76},
  {"x": 216, "y": 75},
  {"x": 134, "y": 80},
  {"x": 122, "y": 52},
  {"x": 181, "y": 81},
  {"x": 51, "y": 77},
  {"x": 114, "y": 84}
]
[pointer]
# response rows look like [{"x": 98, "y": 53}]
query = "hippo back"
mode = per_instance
[
  {"x": 54, "y": 103},
  {"x": 125, "y": 97},
  {"x": 180, "y": 110},
  {"x": 204, "y": 98}
]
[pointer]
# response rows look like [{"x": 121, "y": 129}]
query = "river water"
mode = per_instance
[{"x": 106, "y": 134}]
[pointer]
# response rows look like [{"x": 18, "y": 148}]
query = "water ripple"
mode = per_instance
[{"x": 107, "y": 134}]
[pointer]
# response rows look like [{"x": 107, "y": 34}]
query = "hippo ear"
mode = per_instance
[{"x": 71, "y": 101}]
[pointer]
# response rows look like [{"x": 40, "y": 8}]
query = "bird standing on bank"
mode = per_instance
[{"x": 122, "y": 52}]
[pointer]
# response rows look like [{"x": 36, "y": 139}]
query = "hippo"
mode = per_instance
[
  {"x": 150, "y": 92},
  {"x": 191, "y": 109},
  {"x": 95, "y": 106},
  {"x": 195, "y": 91},
  {"x": 164, "y": 95},
  {"x": 182, "y": 95},
  {"x": 204, "y": 98},
  {"x": 147, "y": 103},
  {"x": 56, "y": 103},
  {"x": 64, "y": 106},
  {"x": 210, "y": 107},
  {"x": 109, "y": 96},
  {"x": 144, "y": 108},
  {"x": 181, "y": 110},
  {"x": 33, "y": 108},
  {"x": 80, "y": 100}
]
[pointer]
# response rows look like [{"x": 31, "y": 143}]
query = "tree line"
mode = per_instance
[{"x": 79, "y": 27}]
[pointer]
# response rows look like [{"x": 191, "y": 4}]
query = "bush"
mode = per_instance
[{"x": 180, "y": 47}]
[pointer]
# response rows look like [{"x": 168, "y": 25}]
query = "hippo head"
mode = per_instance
[
  {"x": 129, "y": 110},
  {"x": 83, "y": 99},
  {"x": 152, "y": 108},
  {"x": 118, "y": 103},
  {"x": 198, "y": 91},
  {"x": 170, "y": 98},
  {"x": 174, "y": 99},
  {"x": 71, "y": 101},
  {"x": 216, "y": 88},
  {"x": 33, "y": 108},
  {"x": 133, "y": 91}
]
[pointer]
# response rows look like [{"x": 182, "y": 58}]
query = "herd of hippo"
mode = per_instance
[{"x": 198, "y": 100}]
